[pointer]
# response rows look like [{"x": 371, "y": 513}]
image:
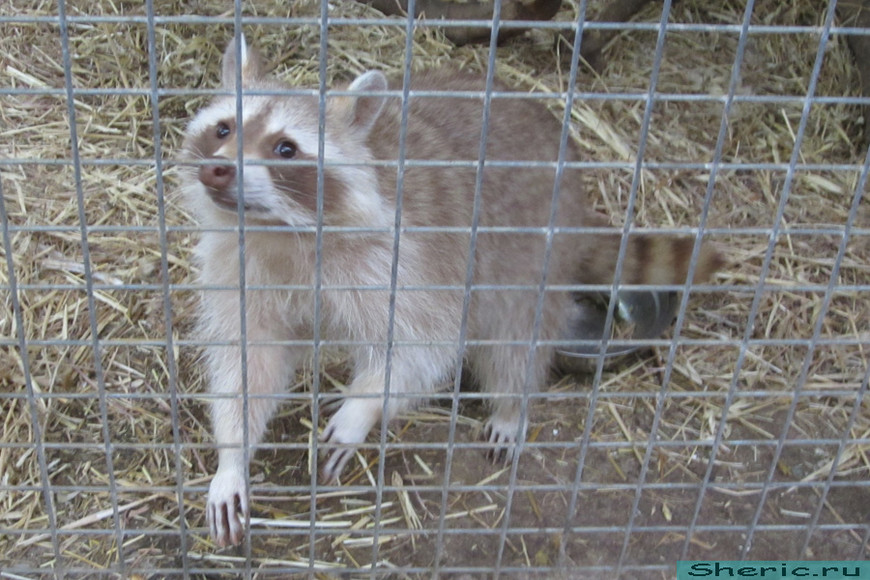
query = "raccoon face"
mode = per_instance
[{"x": 280, "y": 178}]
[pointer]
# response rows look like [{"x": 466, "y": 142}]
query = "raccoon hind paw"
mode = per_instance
[{"x": 502, "y": 434}]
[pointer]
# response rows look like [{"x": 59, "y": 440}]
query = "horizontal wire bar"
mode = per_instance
[
  {"x": 695, "y": 288},
  {"x": 423, "y": 532},
  {"x": 458, "y": 164},
  {"x": 856, "y": 340},
  {"x": 840, "y": 391},
  {"x": 437, "y": 23},
  {"x": 480, "y": 445},
  {"x": 778, "y": 99}
]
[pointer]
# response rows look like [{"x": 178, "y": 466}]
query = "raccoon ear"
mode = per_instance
[
  {"x": 363, "y": 111},
  {"x": 251, "y": 64}
]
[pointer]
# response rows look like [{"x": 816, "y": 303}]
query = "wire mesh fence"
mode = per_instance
[{"x": 742, "y": 431}]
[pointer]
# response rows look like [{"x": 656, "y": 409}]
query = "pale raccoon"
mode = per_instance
[{"x": 359, "y": 193}]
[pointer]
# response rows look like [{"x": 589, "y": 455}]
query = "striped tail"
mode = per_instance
[{"x": 649, "y": 259}]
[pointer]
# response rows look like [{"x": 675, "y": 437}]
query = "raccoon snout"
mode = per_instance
[{"x": 217, "y": 177}]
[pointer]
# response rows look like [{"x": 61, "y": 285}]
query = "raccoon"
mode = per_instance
[{"x": 353, "y": 203}]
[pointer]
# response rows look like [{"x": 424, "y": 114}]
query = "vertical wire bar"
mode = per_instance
[
  {"x": 599, "y": 370},
  {"x": 611, "y": 309},
  {"x": 89, "y": 282},
  {"x": 469, "y": 279},
  {"x": 318, "y": 282},
  {"x": 768, "y": 257},
  {"x": 394, "y": 277},
  {"x": 859, "y": 396},
  {"x": 596, "y": 386},
  {"x": 35, "y": 424},
  {"x": 243, "y": 303},
  {"x": 597, "y": 379},
  {"x": 864, "y": 549},
  {"x": 660, "y": 399},
  {"x": 637, "y": 177},
  {"x": 711, "y": 183},
  {"x": 847, "y": 430},
  {"x": 171, "y": 363},
  {"x": 542, "y": 286}
]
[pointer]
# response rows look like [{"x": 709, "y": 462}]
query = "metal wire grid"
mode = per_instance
[{"x": 190, "y": 566}]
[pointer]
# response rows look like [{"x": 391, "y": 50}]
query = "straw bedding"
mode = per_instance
[{"x": 124, "y": 388}]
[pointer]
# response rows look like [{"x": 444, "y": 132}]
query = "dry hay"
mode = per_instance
[{"x": 121, "y": 209}]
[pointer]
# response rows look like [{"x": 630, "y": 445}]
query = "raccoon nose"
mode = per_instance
[{"x": 218, "y": 177}]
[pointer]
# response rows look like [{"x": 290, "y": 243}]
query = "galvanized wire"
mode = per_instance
[{"x": 191, "y": 563}]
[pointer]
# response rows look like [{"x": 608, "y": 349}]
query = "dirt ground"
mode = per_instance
[
  {"x": 546, "y": 474},
  {"x": 543, "y": 539}
]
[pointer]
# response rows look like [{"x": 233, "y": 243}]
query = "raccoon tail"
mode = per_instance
[{"x": 649, "y": 259}]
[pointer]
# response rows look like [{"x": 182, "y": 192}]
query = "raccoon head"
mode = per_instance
[{"x": 279, "y": 141}]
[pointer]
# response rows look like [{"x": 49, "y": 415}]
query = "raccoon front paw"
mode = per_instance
[
  {"x": 227, "y": 509},
  {"x": 501, "y": 432},
  {"x": 348, "y": 428}
]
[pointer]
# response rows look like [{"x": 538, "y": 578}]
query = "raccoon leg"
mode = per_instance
[
  {"x": 414, "y": 372},
  {"x": 268, "y": 370},
  {"x": 359, "y": 413},
  {"x": 507, "y": 371}
]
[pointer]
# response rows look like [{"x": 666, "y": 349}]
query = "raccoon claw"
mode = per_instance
[
  {"x": 227, "y": 509},
  {"x": 338, "y": 458},
  {"x": 502, "y": 437},
  {"x": 330, "y": 406},
  {"x": 501, "y": 445},
  {"x": 335, "y": 464},
  {"x": 348, "y": 427}
]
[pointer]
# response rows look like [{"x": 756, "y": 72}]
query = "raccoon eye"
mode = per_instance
[
  {"x": 286, "y": 149},
  {"x": 223, "y": 131}
]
